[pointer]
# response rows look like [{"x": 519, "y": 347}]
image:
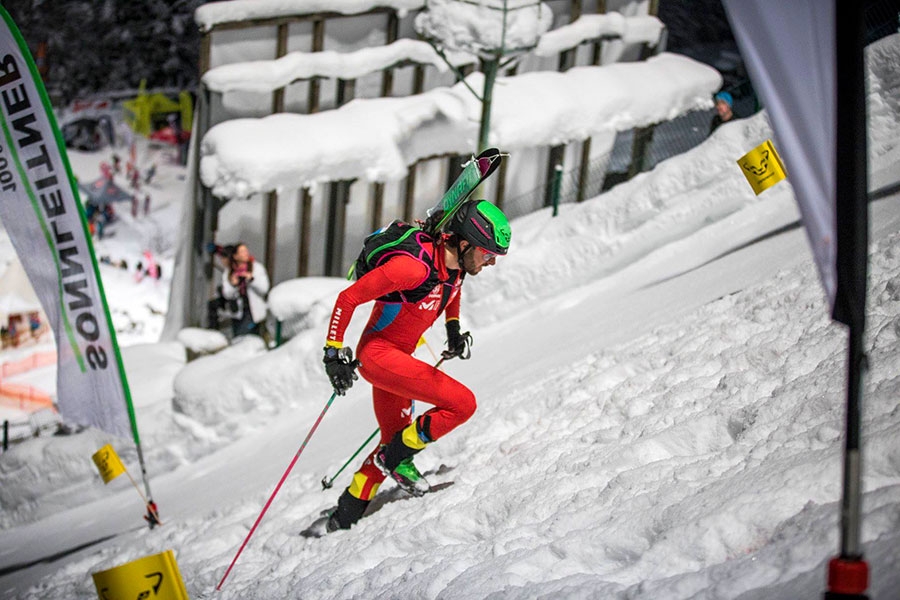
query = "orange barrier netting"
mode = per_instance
[
  {"x": 23, "y": 396},
  {"x": 36, "y": 360}
]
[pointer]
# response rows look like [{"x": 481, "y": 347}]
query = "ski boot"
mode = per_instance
[
  {"x": 348, "y": 511},
  {"x": 394, "y": 459}
]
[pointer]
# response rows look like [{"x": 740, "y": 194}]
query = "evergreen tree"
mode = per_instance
[{"x": 97, "y": 46}]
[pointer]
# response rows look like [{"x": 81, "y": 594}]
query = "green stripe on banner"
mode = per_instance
[{"x": 37, "y": 211}]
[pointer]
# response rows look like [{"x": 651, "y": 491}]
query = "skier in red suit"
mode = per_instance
[{"x": 412, "y": 284}]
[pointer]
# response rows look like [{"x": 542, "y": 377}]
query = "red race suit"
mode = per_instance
[{"x": 386, "y": 346}]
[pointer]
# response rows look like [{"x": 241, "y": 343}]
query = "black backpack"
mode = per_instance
[{"x": 397, "y": 238}]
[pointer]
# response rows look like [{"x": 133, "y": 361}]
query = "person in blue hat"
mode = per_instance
[{"x": 724, "y": 113}]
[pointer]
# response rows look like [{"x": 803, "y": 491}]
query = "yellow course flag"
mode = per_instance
[
  {"x": 154, "y": 577},
  {"x": 108, "y": 463},
  {"x": 762, "y": 167}
]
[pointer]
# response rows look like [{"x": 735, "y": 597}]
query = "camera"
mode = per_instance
[{"x": 222, "y": 251}]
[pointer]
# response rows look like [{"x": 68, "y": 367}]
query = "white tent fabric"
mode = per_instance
[
  {"x": 16, "y": 294},
  {"x": 789, "y": 49}
]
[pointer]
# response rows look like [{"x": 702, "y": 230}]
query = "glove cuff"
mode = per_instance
[
  {"x": 453, "y": 328},
  {"x": 343, "y": 354}
]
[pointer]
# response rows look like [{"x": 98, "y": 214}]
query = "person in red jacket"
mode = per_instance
[{"x": 419, "y": 280}]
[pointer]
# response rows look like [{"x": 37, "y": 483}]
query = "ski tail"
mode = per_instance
[{"x": 473, "y": 174}]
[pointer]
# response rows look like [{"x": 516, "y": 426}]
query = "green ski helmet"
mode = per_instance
[{"x": 483, "y": 225}]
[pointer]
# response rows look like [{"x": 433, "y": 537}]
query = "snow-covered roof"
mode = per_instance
[
  {"x": 485, "y": 28},
  {"x": 270, "y": 75},
  {"x": 636, "y": 29},
  {"x": 209, "y": 15},
  {"x": 376, "y": 139}
]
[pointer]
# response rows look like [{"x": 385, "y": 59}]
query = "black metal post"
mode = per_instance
[{"x": 848, "y": 573}]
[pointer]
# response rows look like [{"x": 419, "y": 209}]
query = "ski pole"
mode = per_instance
[
  {"x": 277, "y": 487},
  {"x": 326, "y": 482},
  {"x": 427, "y": 345}
]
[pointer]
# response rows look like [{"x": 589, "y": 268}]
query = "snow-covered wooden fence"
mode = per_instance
[{"x": 333, "y": 208}]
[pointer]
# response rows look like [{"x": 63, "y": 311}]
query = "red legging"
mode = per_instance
[{"x": 398, "y": 378}]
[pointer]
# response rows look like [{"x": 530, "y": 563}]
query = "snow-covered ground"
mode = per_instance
[{"x": 660, "y": 416}]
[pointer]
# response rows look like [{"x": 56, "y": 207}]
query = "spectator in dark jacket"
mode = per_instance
[{"x": 724, "y": 110}]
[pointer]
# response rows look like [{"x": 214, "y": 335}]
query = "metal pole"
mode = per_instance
[
  {"x": 326, "y": 482},
  {"x": 271, "y": 216},
  {"x": 557, "y": 184},
  {"x": 848, "y": 573},
  {"x": 489, "y": 68}
]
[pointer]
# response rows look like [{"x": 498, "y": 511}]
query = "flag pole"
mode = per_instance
[
  {"x": 848, "y": 573},
  {"x": 152, "y": 515}
]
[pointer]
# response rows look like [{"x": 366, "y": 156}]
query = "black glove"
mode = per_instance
[
  {"x": 341, "y": 368},
  {"x": 458, "y": 344}
]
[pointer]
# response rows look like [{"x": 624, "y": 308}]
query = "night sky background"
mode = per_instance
[
  {"x": 96, "y": 46},
  {"x": 102, "y": 46}
]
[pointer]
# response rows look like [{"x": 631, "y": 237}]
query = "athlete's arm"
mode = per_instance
[
  {"x": 400, "y": 273},
  {"x": 452, "y": 310}
]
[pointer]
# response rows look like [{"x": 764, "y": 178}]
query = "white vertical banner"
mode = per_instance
[
  {"x": 40, "y": 208},
  {"x": 789, "y": 50}
]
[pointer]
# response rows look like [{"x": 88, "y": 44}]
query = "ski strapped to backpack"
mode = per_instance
[
  {"x": 474, "y": 172},
  {"x": 399, "y": 237}
]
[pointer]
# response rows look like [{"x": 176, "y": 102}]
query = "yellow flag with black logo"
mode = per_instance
[
  {"x": 762, "y": 167},
  {"x": 154, "y": 576},
  {"x": 108, "y": 463}
]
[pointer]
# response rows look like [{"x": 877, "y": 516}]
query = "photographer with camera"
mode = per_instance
[{"x": 246, "y": 282}]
